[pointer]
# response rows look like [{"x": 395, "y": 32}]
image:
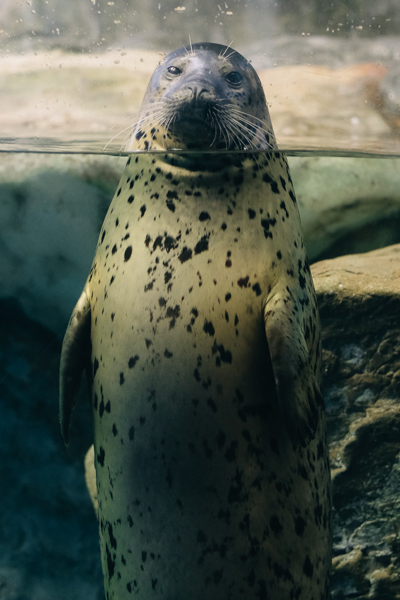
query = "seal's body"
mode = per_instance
[{"x": 200, "y": 312}]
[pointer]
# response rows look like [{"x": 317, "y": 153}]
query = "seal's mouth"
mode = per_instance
[{"x": 194, "y": 119}]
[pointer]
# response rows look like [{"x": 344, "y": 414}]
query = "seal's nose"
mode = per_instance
[{"x": 198, "y": 92}]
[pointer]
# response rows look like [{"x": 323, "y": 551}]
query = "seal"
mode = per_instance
[{"x": 199, "y": 327}]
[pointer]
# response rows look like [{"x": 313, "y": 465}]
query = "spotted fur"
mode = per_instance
[{"x": 210, "y": 446}]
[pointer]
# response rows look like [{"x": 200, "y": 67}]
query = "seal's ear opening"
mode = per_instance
[{"x": 75, "y": 358}]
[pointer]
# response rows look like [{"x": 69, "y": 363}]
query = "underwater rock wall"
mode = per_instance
[{"x": 359, "y": 300}]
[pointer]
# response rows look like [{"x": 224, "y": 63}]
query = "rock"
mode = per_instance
[
  {"x": 359, "y": 299},
  {"x": 51, "y": 211},
  {"x": 347, "y": 205}
]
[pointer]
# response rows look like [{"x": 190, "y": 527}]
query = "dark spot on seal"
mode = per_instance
[
  {"x": 308, "y": 568},
  {"x": 131, "y": 197},
  {"x": 110, "y": 563},
  {"x": 223, "y": 226},
  {"x": 202, "y": 245},
  {"x": 101, "y": 456},
  {"x": 114, "y": 249},
  {"x": 102, "y": 236},
  {"x": 204, "y": 216},
  {"x": 170, "y": 243},
  {"x": 209, "y": 328},
  {"x": 121, "y": 379},
  {"x": 243, "y": 282},
  {"x": 252, "y": 213},
  {"x": 256, "y": 288},
  {"x": 167, "y": 353},
  {"x": 127, "y": 253},
  {"x": 228, "y": 296},
  {"x": 283, "y": 206},
  {"x": 142, "y": 210},
  {"x": 132, "y": 361},
  {"x": 95, "y": 366},
  {"x": 171, "y": 205},
  {"x": 185, "y": 255},
  {"x": 225, "y": 355},
  {"x": 113, "y": 541}
]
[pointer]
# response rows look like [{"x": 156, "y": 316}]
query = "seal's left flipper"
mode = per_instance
[
  {"x": 75, "y": 358},
  {"x": 297, "y": 387}
]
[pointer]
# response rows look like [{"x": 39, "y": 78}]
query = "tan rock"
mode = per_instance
[{"x": 359, "y": 298}]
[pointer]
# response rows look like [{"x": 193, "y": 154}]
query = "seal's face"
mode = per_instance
[{"x": 201, "y": 97}]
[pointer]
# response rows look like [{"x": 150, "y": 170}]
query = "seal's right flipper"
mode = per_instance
[
  {"x": 297, "y": 388},
  {"x": 75, "y": 358}
]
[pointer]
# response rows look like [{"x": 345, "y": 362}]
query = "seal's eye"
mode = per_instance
[
  {"x": 174, "y": 71},
  {"x": 234, "y": 78}
]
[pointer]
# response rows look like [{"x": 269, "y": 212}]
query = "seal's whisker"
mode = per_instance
[
  {"x": 235, "y": 109},
  {"x": 231, "y": 54},
  {"x": 116, "y": 136},
  {"x": 130, "y": 117},
  {"x": 222, "y": 55},
  {"x": 230, "y": 133},
  {"x": 249, "y": 128},
  {"x": 246, "y": 135}
]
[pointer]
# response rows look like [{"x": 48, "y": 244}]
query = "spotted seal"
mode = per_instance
[{"x": 199, "y": 326}]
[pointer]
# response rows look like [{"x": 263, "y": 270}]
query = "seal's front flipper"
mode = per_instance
[
  {"x": 75, "y": 358},
  {"x": 297, "y": 388}
]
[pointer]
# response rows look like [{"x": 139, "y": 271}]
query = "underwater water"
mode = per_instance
[{"x": 52, "y": 202}]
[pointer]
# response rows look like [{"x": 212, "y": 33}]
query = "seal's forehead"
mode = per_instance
[{"x": 214, "y": 51}]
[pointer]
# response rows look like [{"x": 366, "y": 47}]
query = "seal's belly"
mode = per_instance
[{"x": 189, "y": 442}]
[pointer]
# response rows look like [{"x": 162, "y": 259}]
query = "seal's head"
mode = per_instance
[{"x": 204, "y": 96}]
